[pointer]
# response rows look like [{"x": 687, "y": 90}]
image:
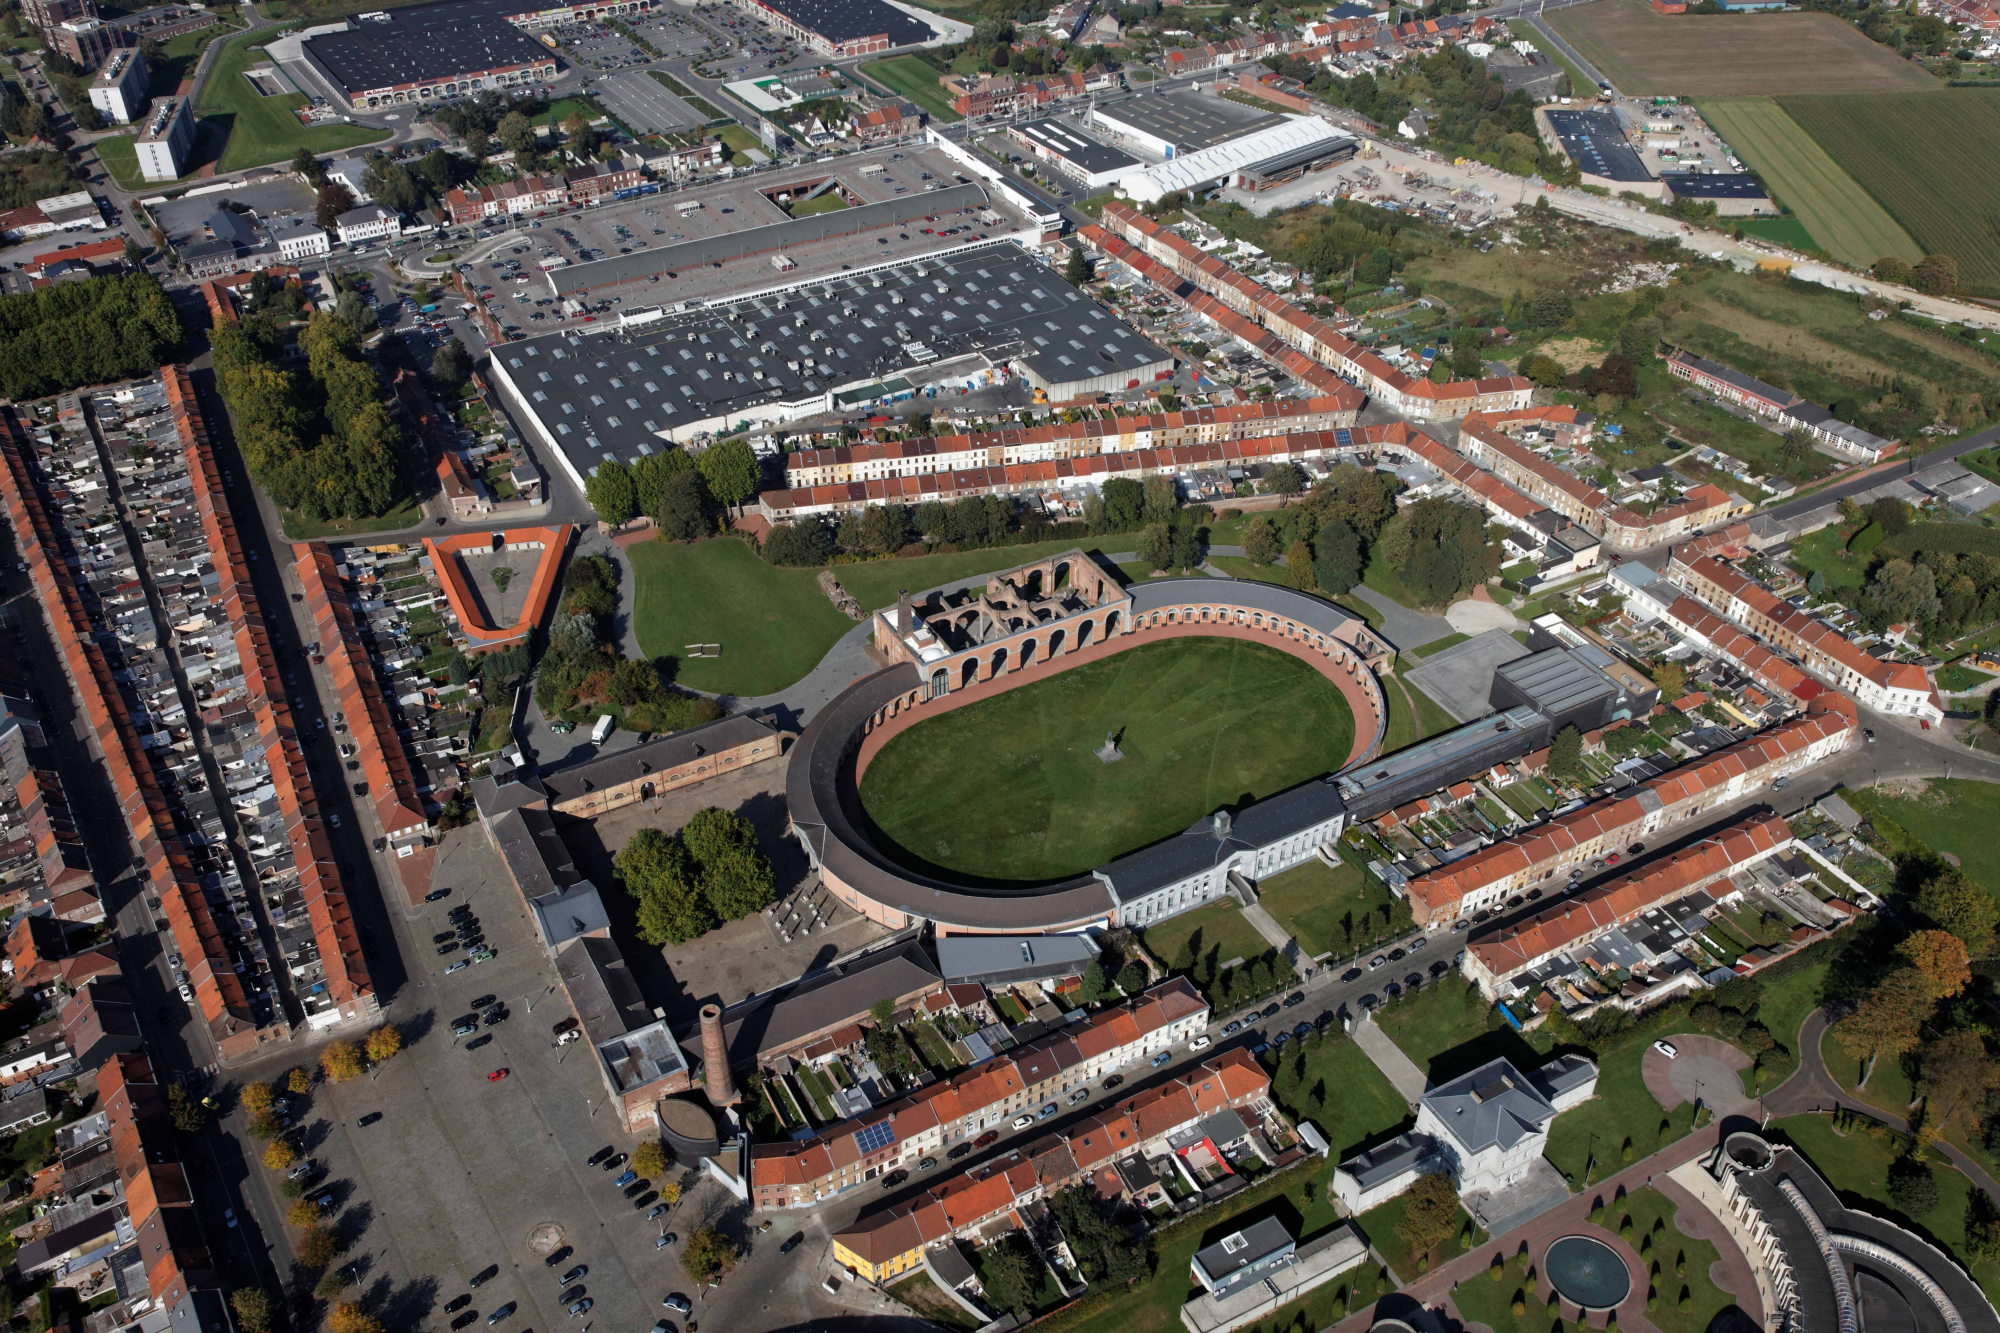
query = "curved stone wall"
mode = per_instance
[{"x": 822, "y": 783}]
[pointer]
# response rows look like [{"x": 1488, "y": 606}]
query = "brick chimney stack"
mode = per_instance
[{"x": 715, "y": 1058}]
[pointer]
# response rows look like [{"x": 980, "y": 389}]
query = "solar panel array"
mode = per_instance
[
  {"x": 606, "y": 396},
  {"x": 875, "y": 1137}
]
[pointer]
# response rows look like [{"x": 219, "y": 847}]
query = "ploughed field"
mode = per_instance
[{"x": 1009, "y": 789}]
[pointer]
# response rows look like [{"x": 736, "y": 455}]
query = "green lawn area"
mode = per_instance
[
  {"x": 1379, "y": 1225},
  {"x": 876, "y": 583},
  {"x": 1330, "y": 1081},
  {"x": 1446, "y": 1028},
  {"x": 1888, "y": 1087},
  {"x": 1782, "y": 1008},
  {"x": 1218, "y": 925},
  {"x": 299, "y": 528},
  {"x": 1825, "y": 552},
  {"x": 1413, "y": 715},
  {"x": 1858, "y": 1163},
  {"x": 1295, "y": 1197},
  {"x": 1204, "y": 723},
  {"x": 1958, "y": 679},
  {"x": 182, "y": 52},
  {"x": 1313, "y": 900},
  {"x": 1383, "y": 579},
  {"x": 1242, "y": 567},
  {"x": 121, "y": 159},
  {"x": 262, "y": 129},
  {"x": 1521, "y": 798},
  {"x": 915, "y": 79},
  {"x": 737, "y": 138},
  {"x": 1010, "y": 1009},
  {"x": 826, "y": 203},
  {"x": 1439, "y": 645},
  {"x": 1779, "y": 231},
  {"x": 1622, "y": 1109},
  {"x": 930, "y": 1045},
  {"x": 774, "y": 624},
  {"x": 922, "y": 1295},
  {"x": 1956, "y": 816}
]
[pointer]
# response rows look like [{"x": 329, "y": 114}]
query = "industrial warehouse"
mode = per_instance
[
  {"x": 842, "y": 27},
  {"x": 1201, "y": 142},
  {"x": 790, "y": 353},
  {"x": 430, "y": 52}
]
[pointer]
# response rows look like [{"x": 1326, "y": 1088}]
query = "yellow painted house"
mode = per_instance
[{"x": 881, "y": 1247}]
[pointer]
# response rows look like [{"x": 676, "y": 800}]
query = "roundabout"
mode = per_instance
[{"x": 1189, "y": 807}]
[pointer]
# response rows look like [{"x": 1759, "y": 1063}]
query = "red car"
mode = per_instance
[
  {"x": 989, "y": 1137},
  {"x": 496, "y": 1075}
]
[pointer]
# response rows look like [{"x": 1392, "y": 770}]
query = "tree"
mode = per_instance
[
  {"x": 253, "y": 1309},
  {"x": 332, "y": 1283},
  {"x": 299, "y": 1081},
  {"x": 1936, "y": 275},
  {"x": 1912, "y": 1187},
  {"x": 478, "y": 142},
  {"x": 280, "y": 1155},
  {"x": 382, "y": 1043},
  {"x": 1901, "y": 592},
  {"x": 1940, "y": 956},
  {"x": 650, "y": 1158},
  {"x": 1671, "y": 677},
  {"x": 1093, "y": 986},
  {"x": 1337, "y": 557},
  {"x": 331, "y": 200},
  {"x": 340, "y": 1062},
  {"x": 451, "y": 364},
  {"x": 187, "y": 1114},
  {"x": 1887, "y": 1020},
  {"x": 135, "y": 253},
  {"x": 1260, "y": 540},
  {"x": 1954, "y": 903},
  {"x": 804, "y": 543},
  {"x": 670, "y": 1192},
  {"x": 688, "y": 882},
  {"x": 1077, "y": 271},
  {"x": 731, "y": 471},
  {"x": 517, "y": 132},
  {"x": 1299, "y": 566},
  {"x": 303, "y": 1213},
  {"x": 1284, "y": 479},
  {"x": 309, "y": 167},
  {"x": 317, "y": 1248},
  {"x": 1957, "y": 1073},
  {"x": 355, "y": 312},
  {"x": 1566, "y": 753},
  {"x": 1616, "y": 376},
  {"x": 682, "y": 511},
  {"x": 1132, "y": 977},
  {"x": 708, "y": 1254},
  {"x": 1430, "y": 1216},
  {"x": 255, "y": 1098},
  {"x": 1890, "y": 514},
  {"x": 1011, "y": 1273},
  {"x": 1155, "y": 546},
  {"x": 348, "y": 1317},
  {"x": 611, "y": 492}
]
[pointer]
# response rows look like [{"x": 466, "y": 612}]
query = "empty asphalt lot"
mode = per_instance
[{"x": 644, "y": 103}]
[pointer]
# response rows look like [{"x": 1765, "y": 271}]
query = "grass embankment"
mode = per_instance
[{"x": 254, "y": 129}]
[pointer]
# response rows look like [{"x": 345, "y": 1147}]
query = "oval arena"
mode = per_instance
[{"x": 1028, "y": 624}]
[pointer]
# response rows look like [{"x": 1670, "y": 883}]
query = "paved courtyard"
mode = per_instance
[
  {"x": 1707, "y": 1070},
  {"x": 1461, "y": 677},
  {"x": 741, "y": 957}
]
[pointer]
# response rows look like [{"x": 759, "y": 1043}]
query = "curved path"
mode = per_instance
[{"x": 1813, "y": 1088}]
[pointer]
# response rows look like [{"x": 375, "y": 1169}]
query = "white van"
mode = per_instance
[{"x": 601, "y": 730}]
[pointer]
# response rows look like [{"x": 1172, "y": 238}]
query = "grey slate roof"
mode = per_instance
[
  {"x": 1385, "y": 1161},
  {"x": 655, "y": 756},
  {"x": 1240, "y": 1249},
  {"x": 997, "y": 960},
  {"x": 1494, "y": 1105},
  {"x": 839, "y": 994}
]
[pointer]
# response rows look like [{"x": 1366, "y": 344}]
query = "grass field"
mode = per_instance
[
  {"x": 1788, "y": 232},
  {"x": 1891, "y": 145},
  {"x": 915, "y": 79},
  {"x": 1649, "y": 54},
  {"x": 262, "y": 129},
  {"x": 1830, "y": 204},
  {"x": 826, "y": 203},
  {"x": 1332, "y": 908},
  {"x": 699, "y": 594},
  {"x": 1204, "y": 723},
  {"x": 301, "y": 529},
  {"x": 1219, "y": 926},
  {"x": 1957, "y": 816}
]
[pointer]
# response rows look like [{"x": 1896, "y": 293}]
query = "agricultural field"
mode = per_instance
[
  {"x": 1945, "y": 199},
  {"x": 1828, "y": 203},
  {"x": 915, "y": 79},
  {"x": 1647, "y": 54}
]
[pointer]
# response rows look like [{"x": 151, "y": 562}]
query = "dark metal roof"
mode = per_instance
[
  {"x": 423, "y": 44},
  {"x": 778, "y": 236},
  {"x": 656, "y": 756},
  {"x": 1701, "y": 185},
  {"x": 1595, "y": 143},
  {"x": 844, "y": 20},
  {"x": 1066, "y": 141}
]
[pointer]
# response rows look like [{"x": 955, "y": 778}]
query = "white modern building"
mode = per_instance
[
  {"x": 302, "y": 243},
  {"x": 119, "y": 90},
  {"x": 167, "y": 141},
  {"x": 1486, "y": 1130},
  {"x": 368, "y": 223}
]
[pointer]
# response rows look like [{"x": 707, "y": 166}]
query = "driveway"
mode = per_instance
[{"x": 1707, "y": 1071}]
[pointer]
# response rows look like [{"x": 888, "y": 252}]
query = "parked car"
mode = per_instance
[
  {"x": 1162, "y": 1058},
  {"x": 625, "y": 1180},
  {"x": 1201, "y": 1043},
  {"x": 796, "y": 1239},
  {"x": 992, "y": 1136},
  {"x": 576, "y": 1274},
  {"x": 1666, "y": 1048},
  {"x": 1023, "y": 1121}
]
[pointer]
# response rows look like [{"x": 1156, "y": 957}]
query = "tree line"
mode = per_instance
[
  {"x": 678, "y": 491},
  {"x": 90, "y": 332},
  {"x": 581, "y": 667},
  {"x": 321, "y": 441}
]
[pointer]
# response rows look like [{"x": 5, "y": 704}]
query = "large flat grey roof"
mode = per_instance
[
  {"x": 772, "y": 239},
  {"x": 608, "y": 395},
  {"x": 423, "y": 43},
  {"x": 1435, "y": 757},
  {"x": 1558, "y": 679},
  {"x": 1188, "y": 121},
  {"x": 1002, "y": 959},
  {"x": 1071, "y": 144}
]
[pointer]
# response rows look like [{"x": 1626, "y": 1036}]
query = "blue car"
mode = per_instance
[{"x": 625, "y": 1180}]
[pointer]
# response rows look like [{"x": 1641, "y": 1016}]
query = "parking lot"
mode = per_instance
[
  {"x": 644, "y": 103},
  {"x": 679, "y": 37},
  {"x": 511, "y": 279},
  {"x": 760, "y": 50}
]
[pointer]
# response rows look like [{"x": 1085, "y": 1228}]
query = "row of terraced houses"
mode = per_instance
[
  {"x": 800, "y": 1173},
  {"x": 892, "y": 1240},
  {"x": 1597, "y": 834}
]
